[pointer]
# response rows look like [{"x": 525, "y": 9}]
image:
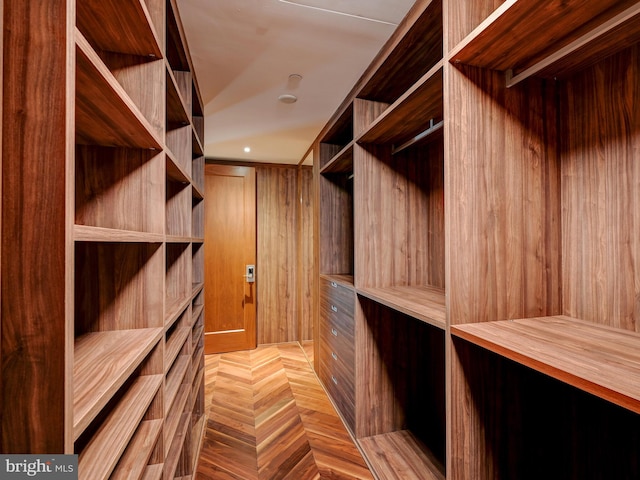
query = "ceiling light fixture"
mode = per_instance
[
  {"x": 288, "y": 98},
  {"x": 298, "y": 4},
  {"x": 247, "y": 149}
]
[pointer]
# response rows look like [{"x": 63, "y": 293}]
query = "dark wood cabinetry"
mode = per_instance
[
  {"x": 478, "y": 186},
  {"x": 102, "y": 207}
]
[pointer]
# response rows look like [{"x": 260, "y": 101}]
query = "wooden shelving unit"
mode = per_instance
[
  {"x": 113, "y": 315},
  {"x": 477, "y": 222}
]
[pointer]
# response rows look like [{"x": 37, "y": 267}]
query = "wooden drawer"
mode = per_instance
[
  {"x": 336, "y": 297},
  {"x": 340, "y": 388}
]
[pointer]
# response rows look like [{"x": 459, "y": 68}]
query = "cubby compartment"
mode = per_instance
[
  {"x": 400, "y": 377},
  {"x": 197, "y": 254},
  {"x": 108, "y": 277},
  {"x": 532, "y": 426},
  {"x": 197, "y": 217},
  {"x": 337, "y": 142},
  {"x": 177, "y": 280},
  {"x": 126, "y": 427},
  {"x": 336, "y": 225},
  {"x": 178, "y": 210},
  {"x": 401, "y": 229},
  {"x": 112, "y": 186}
]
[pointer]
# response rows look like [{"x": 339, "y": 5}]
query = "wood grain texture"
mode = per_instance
[
  {"x": 105, "y": 115},
  {"x": 306, "y": 269},
  {"x": 410, "y": 114},
  {"x": 412, "y": 50},
  {"x": 502, "y": 196},
  {"x": 427, "y": 304},
  {"x": 278, "y": 204},
  {"x": 102, "y": 363},
  {"x": 144, "y": 81},
  {"x": 179, "y": 200},
  {"x": 230, "y": 245},
  {"x": 600, "y": 197},
  {"x": 117, "y": 286},
  {"x": 270, "y": 418},
  {"x": 109, "y": 26},
  {"x": 336, "y": 224},
  {"x": 597, "y": 359},
  {"x": 178, "y": 138},
  {"x": 400, "y": 376},
  {"x": 518, "y": 23},
  {"x": 532, "y": 426},
  {"x": 399, "y": 455},
  {"x": 100, "y": 456},
  {"x": 36, "y": 245},
  {"x": 119, "y": 188},
  {"x": 399, "y": 226}
]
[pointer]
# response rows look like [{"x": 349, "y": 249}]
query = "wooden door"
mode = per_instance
[{"x": 229, "y": 248}]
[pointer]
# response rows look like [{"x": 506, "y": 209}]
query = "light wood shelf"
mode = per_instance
[
  {"x": 177, "y": 112},
  {"x": 174, "y": 308},
  {"x": 400, "y": 456},
  {"x": 178, "y": 239},
  {"x": 133, "y": 462},
  {"x": 408, "y": 115},
  {"x": 197, "y": 310},
  {"x": 105, "y": 115},
  {"x": 175, "y": 378},
  {"x": 102, "y": 363},
  {"x": 153, "y": 472},
  {"x": 559, "y": 36},
  {"x": 342, "y": 162},
  {"x": 597, "y": 359},
  {"x": 114, "y": 26},
  {"x": 422, "y": 302},
  {"x": 85, "y": 233},
  {"x": 196, "y": 289},
  {"x": 174, "y": 344},
  {"x": 173, "y": 455},
  {"x": 173, "y": 421},
  {"x": 198, "y": 149},
  {"x": 98, "y": 459},
  {"x": 175, "y": 171}
]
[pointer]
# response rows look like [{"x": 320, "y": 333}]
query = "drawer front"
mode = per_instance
[
  {"x": 336, "y": 337},
  {"x": 340, "y": 390},
  {"x": 337, "y": 298}
]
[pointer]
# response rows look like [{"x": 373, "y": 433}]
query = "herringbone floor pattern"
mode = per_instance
[{"x": 269, "y": 419}]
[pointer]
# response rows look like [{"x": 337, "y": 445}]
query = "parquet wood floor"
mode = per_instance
[{"x": 270, "y": 419}]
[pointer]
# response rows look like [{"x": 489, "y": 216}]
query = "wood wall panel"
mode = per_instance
[
  {"x": 601, "y": 139},
  {"x": 306, "y": 271},
  {"x": 283, "y": 268},
  {"x": 502, "y": 198},
  {"x": 35, "y": 284}
]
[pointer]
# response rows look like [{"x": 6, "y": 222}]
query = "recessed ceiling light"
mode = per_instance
[
  {"x": 288, "y": 98},
  {"x": 247, "y": 149}
]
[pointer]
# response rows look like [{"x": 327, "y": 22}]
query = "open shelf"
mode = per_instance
[
  {"x": 175, "y": 450},
  {"x": 178, "y": 112},
  {"x": 424, "y": 302},
  {"x": 175, "y": 378},
  {"x": 597, "y": 359},
  {"x": 176, "y": 41},
  {"x": 175, "y": 171},
  {"x": 408, "y": 116},
  {"x": 84, "y": 233},
  {"x": 134, "y": 461},
  {"x": 556, "y": 37},
  {"x": 176, "y": 338},
  {"x": 342, "y": 162},
  {"x": 105, "y": 115},
  {"x": 100, "y": 456},
  {"x": 102, "y": 363},
  {"x": 153, "y": 472},
  {"x": 339, "y": 135},
  {"x": 175, "y": 306},
  {"x": 115, "y": 26},
  {"x": 400, "y": 455},
  {"x": 408, "y": 56}
]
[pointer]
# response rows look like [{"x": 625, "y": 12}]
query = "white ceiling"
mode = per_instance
[{"x": 245, "y": 50}]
